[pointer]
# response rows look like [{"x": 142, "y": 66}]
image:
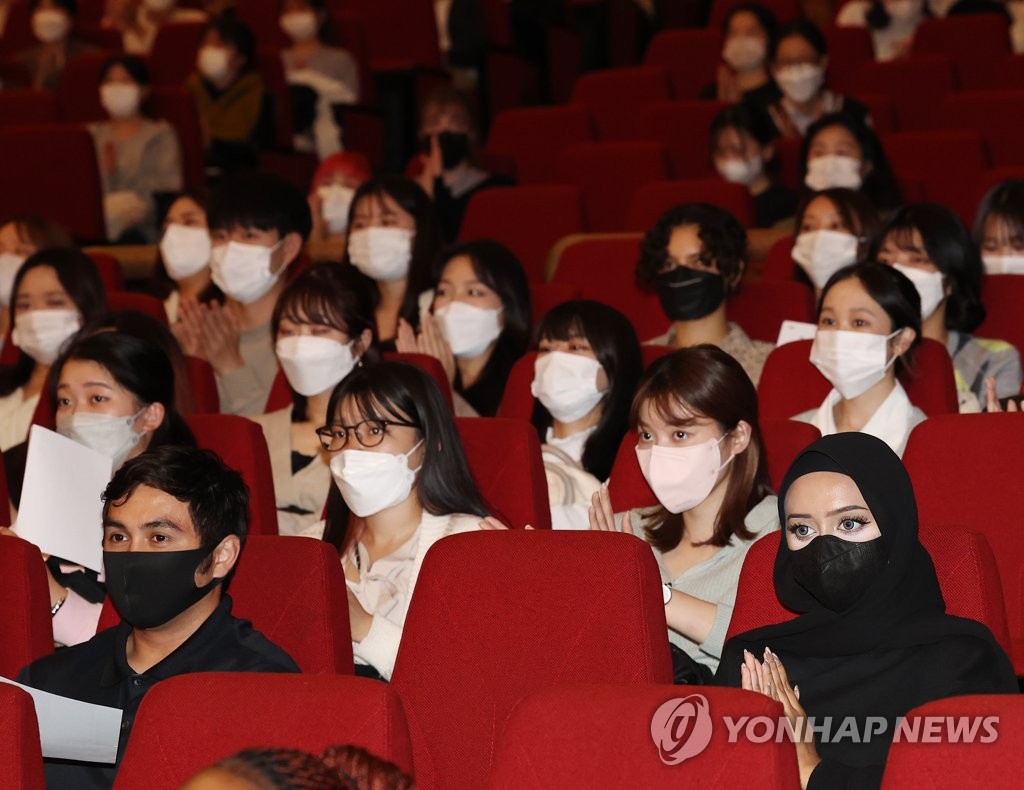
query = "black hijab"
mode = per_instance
[{"x": 881, "y": 656}]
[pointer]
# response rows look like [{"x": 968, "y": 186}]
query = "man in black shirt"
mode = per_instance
[{"x": 174, "y": 523}]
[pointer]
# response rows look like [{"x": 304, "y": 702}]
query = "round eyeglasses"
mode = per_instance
[{"x": 369, "y": 433}]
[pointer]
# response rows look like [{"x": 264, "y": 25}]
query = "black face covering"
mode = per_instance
[
  {"x": 836, "y": 571},
  {"x": 688, "y": 294},
  {"x": 454, "y": 147},
  {"x": 149, "y": 588}
]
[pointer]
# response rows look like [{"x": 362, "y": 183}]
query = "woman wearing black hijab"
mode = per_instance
[{"x": 874, "y": 639}]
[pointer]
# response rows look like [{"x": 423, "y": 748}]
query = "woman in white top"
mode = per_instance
[
  {"x": 404, "y": 484},
  {"x": 869, "y": 322},
  {"x": 55, "y": 293},
  {"x": 183, "y": 268},
  {"x": 892, "y": 23},
  {"x": 700, "y": 449},
  {"x": 587, "y": 367},
  {"x": 323, "y": 328}
]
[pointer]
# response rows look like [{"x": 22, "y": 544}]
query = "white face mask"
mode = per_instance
[
  {"x": 113, "y": 436},
  {"x": 120, "y": 99},
  {"x": 214, "y": 63},
  {"x": 185, "y": 251},
  {"x": 826, "y": 172},
  {"x": 381, "y": 253},
  {"x": 314, "y": 364},
  {"x": 9, "y": 266},
  {"x": 50, "y": 25},
  {"x": 335, "y": 201},
  {"x": 370, "y": 482},
  {"x": 566, "y": 384},
  {"x": 929, "y": 287},
  {"x": 744, "y": 53},
  {"x": 800, "y": 81},
  {"x": 903, "y": 10},
  {"x": 42, "y": 333},
  {"x": 681, "y": 477},
  {"x": 853, "y": 362},
  {"x": 469, "y": 330},
  {"x": 740, "y": 171},
  {"x": 299, "y": 25},
  {"x": 821, "y": 253},
  {"x": 994, "y": 264},
  {"x": 242, "y": 271}
]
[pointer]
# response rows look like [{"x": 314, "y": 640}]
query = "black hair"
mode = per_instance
[
  {"x": 444, "y": 483},
  {"x": 79, "y": 277},
  {"x": 259, "y": 199},
  {"x": 445, "y": 95},
  {"x": 331, "y": 294},
  {"x": 136, "y": 364},
  {"x": 234, "y": 32},
  {"x": 894, "y": 293},
  {"x": 744, "y": 118},
  {"x": 70, "y": 6},
  {"x": 425, "y": 244},
  {"x": 500, "y": 270},
  {"x": 614, "y": 342},
  {"x": 1005, "y": 202},
  {"x": 765, "y": 18},
  {"x": 805, "y": 29},
  {"x": 134, "y": 65},
  {"x": 723, "y": 238},
  {"x": 949, "y": 247},
  {"x": 216, "y": 495},
  {"x": 279, "y": 768},
  {"x": 40, "y": 231},
  {"x": 879, "y": 184}
]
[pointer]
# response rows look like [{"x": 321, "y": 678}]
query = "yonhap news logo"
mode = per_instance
[{"x": 682, "y": 727}]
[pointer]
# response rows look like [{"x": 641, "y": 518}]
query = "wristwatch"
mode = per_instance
[{"x": 667, "y": 593}]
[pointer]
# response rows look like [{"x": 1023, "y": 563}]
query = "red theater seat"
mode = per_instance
[
  {"x": 614, "y": 97},
  {"x": 652, "y": 200},
  {"x": 760, "y": 307},
  {"x": 988, "y": 112},
  {"x": 21, "y": 759},
  {"x": 26, "y": 629},
  {"x": 683, "y": 128},
  {"x": 691, "y": 56},
  {"x": 848, "y": 49},
  {"x": 177, "y": 107},
  {"x": 976, "y": 43},
  {"x": 78, "y": 94},
  {"x": 915, "y": 86},
  {"x": 27, "y": 107},
  {"x": 173, "y": 56},
  {"x": 535, "y": 137},
  {"x": 140, "y": 303}
]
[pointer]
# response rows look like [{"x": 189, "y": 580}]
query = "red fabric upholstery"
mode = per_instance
[
  {"x": 78, "y": 94},
  {"x": 986, "y": 112},
  {"x": 968, "y": 446},
  {"x": 262, "y": 18},
  {"x": 626, "y": 484},
  {"x": 915, "y": 86},
  {"x": 177, "y": 107},
  {"x": 787, "y": 153},
  {"x": 241, "y": 445},
  {"x": 652, "y": 200},
  {"x": 293, "y": 591},
  {"x": 848, "y": 49},
  {"x": 683, "y": 127},
  {"x": 1003, "y": 294},
  {"x": 140, "y": 303},
  {"x": 784, "y": 10},
  {"x": 528, "y": 220},
  {"x": 608, "y": 174},
  {"x": 5, "y": 511},
  {"x": 790, "y": 384},
  {"x": 1011, "y": 73},
  {"x": 913, "y": 156},
  {"x": 504, "y": 456},
  {"x": 536, "y": 136},
  {"x": 882, "y": 109},
  {"x": 26, "y": 631},
  {"x": 976, "y": 43},
  {"x": 42, "y": 161},
  {"x": 614, "y": 97},
  {"x": 544, "y": 296},
  {"x": 110, "y": 272},
  {"x": 27, "y": 106},
  {"x": 17, "y": 34},
  {"x": 202, "y": 382},
  {"x": 964, "y": 565},
  {"x": 21, "y": 758},
  {"x": 471, "y": 649},
  {"x": 690, "y": 55},
  {"x": 600, "y": 736},
  {"x": 761, "y": 307},
  {"x": 784, "y": 440},
  {"x": 411, "y": 43},
  {"x": 175, "y": 735},
  {"x": 946, "y": 764},
  {"x": 173, "y": 56},
  {"x": 779, "y": 266}
]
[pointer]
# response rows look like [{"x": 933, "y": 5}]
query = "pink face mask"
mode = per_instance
[{"x": 681, "y": 477}]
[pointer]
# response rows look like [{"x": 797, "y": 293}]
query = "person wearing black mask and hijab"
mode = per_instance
[
  {"x": 694, "y": 257},
  {"x": 449, "y": 170},
  {"x": 873, "y": 639}
]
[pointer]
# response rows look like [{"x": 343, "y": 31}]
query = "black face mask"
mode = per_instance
[
  {"x": 149, "y": 588},
  {"x": 688, "y": 294},
  {"x": 454, "y": 147},
  {"x": 837, "y": 572}
]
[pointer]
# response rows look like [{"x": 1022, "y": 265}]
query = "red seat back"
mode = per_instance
[
  {"x": 690, "y": 55},
  {"x": 848, "y": 49},
  {"x": 535, "y": 137},
  {"x": 26, "y": 629},
  {"x": 976, "y": 43},
  {"x": 985, "y": 111},
  {"x": 652, "y": 200},
  {"x": 21, "y": 758},
  {"x": 202, "y": 384},
  {"x": 175, "y": 106},
  {"x": 27, "y": 106},
  {"x": 140, "y": 303},
  {"x": 784, "y": 10},
  {"x": 174, "y": 736},
  {"x": 110, "y": 272},
  {"x": 78, "y": 94},
  {"x": 512, "y": 481},
  {"x": 173, "y": 56},
  {"x": 915, "y": 86},
  {"x": 17, "y": 35},
  {"x": 544, "y": 296},
  {"x": 528, "y": 220},
  {"x": 554, "y": 630},
  {"x": 684, "y": 128},
  {"x": 779, "y": 265},
  {"x": 601, "y": 736},
  {"x": 761, "y": 307},
  {"x": 614, "y": 97},
  {"x": 393, "y": 46},
  {"x": 1003, "y": 295},
  {"x": 608, "y": 174}
]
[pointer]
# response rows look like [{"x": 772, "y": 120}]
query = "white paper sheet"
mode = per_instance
[
  {"x": 791, "y": 331},
  {"x": 61, "y": 511},
  {"x": 73, "y": 730}
]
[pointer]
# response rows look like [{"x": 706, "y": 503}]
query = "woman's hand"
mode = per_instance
[
  {"x": 358, "y": 618},
  {"x": 602, "y": 516},
  {"x": 214, "y": 333},
  {"x": 490, "y": 523},
  {"x": 432, "y": 342},
  {"x": 992, "y": 399},
  {"x": 769, "y": 678},
  {"x": 405, "y": 339}
]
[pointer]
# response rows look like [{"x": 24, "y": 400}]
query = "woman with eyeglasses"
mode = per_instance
[{"x": 402, "y": 483}]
